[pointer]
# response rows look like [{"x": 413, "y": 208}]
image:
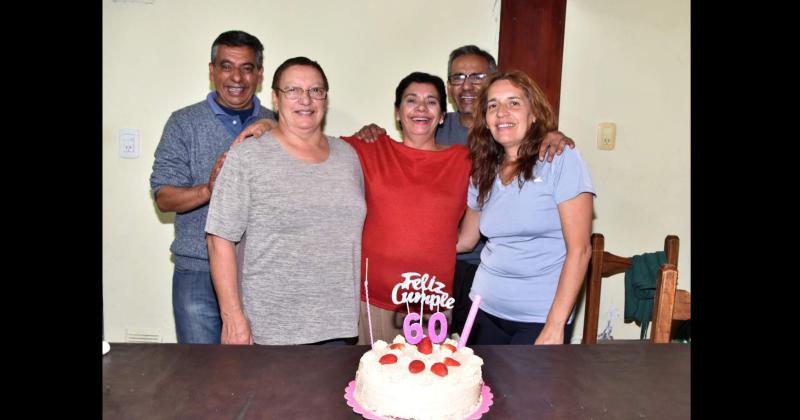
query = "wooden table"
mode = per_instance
[{"x": 193, "y": 381}]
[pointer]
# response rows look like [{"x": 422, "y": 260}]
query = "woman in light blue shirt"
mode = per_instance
[{"x": 536, "y": 214}]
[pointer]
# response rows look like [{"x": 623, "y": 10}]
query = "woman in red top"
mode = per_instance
[{"x": 416, "y": 195}]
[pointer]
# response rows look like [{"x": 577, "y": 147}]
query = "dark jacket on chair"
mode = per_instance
[{"x": 640, "y": 287}]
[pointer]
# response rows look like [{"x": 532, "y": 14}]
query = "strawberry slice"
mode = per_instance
[
  {"x": 449, "y": 361},
  {"x": 388, "y": 359},
  {"x": 425, "y": 346},
  {"x": 449, "y": 346},
  {"x": 416, "y": 366},
  {"x": 397, "y": 346},
  {"x": 439, "y": 369}
]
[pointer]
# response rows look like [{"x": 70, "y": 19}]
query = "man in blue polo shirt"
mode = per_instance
[{"x": 187, "y": 160}]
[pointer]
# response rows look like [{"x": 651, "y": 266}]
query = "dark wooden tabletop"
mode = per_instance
[{"x": 180, "y": 381}]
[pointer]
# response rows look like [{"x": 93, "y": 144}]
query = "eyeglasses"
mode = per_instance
[
  {"x": 294, "y": 93},
  {"x": 459, "y": 78}
]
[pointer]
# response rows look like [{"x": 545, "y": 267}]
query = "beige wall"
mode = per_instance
[
  {"x": 624, "y": 62},
  {"x": 627, "y": 61},
  {"x": 155, "y": 60}
]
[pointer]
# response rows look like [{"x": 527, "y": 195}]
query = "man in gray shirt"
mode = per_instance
[{"x": 187, "y": 160}]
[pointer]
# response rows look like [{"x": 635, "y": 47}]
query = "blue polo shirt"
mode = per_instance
[{"x": 231, "y": 118}]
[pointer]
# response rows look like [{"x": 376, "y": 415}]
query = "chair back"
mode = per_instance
[
  {"x": 605, "y": 264},
  {"x": 671, "y": 304}
]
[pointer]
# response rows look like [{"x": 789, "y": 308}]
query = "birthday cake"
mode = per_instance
[{"x": 423, "y": 381}]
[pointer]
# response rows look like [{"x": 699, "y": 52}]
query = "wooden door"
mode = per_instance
[{"x": 532, "y": 40}]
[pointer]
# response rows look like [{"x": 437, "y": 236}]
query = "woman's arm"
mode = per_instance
[
  {"x": 255, "y": 129},
  {"x": 370, "y": 133},
  {"x": 576, "y": 222},
  {"x": 469, "y": 233},
  {"x": 222, "y": 258}
]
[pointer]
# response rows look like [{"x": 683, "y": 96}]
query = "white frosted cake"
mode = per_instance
[{"x": 423, "y": 381}]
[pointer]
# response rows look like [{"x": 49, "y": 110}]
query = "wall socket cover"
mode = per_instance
[
  {"x": 129, "y": 143},
  {"x": 606, "y": 135}
]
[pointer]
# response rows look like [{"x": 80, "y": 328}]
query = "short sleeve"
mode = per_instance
[
  {"x": 472, "y": 196},
  {"x": 230, "y": 200},
  {"x": 570, "y": 176},
  {"x": 353, "y": 141}
]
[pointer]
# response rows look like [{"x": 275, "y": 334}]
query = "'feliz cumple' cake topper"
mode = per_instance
[
  {"x": 423, "y": 289},
  {"x": 420, "y": 283}
]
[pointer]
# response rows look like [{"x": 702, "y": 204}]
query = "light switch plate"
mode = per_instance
[
  {"x": 606, "y": 136},
  {"x": 129, "y": 143}
]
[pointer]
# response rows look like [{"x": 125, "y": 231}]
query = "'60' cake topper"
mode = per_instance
[{"x": 413, "y": 331}]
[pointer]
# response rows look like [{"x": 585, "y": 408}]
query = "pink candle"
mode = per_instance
[
  {"x": 470, "y": 319},
  {"x": 366, "y": 291}
]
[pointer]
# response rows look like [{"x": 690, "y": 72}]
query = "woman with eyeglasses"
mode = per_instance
[
  {"x": 285, "y": 221},
  {"x": 537, "y": 216}
]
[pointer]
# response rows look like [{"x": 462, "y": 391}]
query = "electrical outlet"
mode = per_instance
[
  {"x": 606, "y": 136},
  {"x": 129, "y": 143}
]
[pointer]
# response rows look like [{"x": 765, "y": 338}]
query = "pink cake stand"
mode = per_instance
[{"x": 486, "y": 401}]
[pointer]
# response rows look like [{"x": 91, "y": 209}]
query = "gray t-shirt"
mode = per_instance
[
  {"x": 452, "y": 132},
  {"x": 300, "y": 268}
]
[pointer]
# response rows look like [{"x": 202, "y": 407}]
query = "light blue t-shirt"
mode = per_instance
[{"x": 522, "y": 260}]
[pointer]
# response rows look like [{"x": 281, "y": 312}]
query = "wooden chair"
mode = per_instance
[
  {"x": 605, "y": 264},
  {"x": 670, "y": 304}
]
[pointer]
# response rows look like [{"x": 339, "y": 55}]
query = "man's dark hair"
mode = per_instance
[
  {"x": 420, "y": 77},
  {"x": 471, "y": 50},
  {"x": 297, "y": 61},
  {"x": 238, "y": 39}
]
